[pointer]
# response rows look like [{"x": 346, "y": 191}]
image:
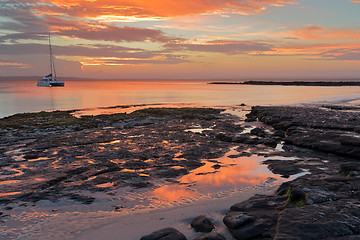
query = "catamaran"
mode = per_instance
[{"x": 50, "y": 79}]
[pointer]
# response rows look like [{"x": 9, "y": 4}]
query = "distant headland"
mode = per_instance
[{"x": 295, "y": 83}]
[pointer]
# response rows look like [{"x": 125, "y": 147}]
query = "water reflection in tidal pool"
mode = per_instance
[{"x": 220, "y": 177}]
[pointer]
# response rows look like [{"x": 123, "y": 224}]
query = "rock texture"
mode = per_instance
[
  {"x": 202, "y": 224},
  {"x": 210, "y": 236},
  {"x": 321, "y": 205},
  {"x": 165, "y": 234}
]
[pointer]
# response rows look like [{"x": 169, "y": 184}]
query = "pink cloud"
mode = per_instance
[{"x": 320, "y": 33}]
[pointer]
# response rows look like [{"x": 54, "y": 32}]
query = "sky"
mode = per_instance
[{"x": 187, "y": 39}]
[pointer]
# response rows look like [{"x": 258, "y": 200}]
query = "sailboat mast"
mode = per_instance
[{"x": 52, "y": 64}]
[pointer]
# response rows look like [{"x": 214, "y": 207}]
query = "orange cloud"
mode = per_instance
[
  {"x": 220, "y": 46},
  {"x": 320, "y": 51},
  {"x": 153, "y": 8},
  {"x": 320, "y": 33}
]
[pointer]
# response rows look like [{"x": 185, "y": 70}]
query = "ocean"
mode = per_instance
[{"x": 24, "y": 96}]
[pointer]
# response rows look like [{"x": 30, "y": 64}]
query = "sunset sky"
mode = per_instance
[{"x": 187, "y": 39}]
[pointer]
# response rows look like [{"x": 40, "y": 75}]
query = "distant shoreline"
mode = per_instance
[
  {"x": 295, "y": 83},
  {"x": 209, "y": 81}
]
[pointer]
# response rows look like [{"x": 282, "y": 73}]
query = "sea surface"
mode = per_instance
[{"x": 25, "y": 96}]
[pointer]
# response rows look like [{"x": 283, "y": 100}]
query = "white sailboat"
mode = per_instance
[{"x": 50, "y": 79}]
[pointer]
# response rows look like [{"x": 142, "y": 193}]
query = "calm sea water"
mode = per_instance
[{"x": 24, "y": 96}]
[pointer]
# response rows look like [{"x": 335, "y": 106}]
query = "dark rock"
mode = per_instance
[
  {"x": 5, "y": 200},
  {"x": 284, "y": 188},
  {"x": 270, "y": 142},
  {"x": 337, "y": 179},
  {"x": 210, "y": 236},
  {"x": 234, "y": 220},
  {"x": 223, "y": 137},
  {"x": 315, "y": 196},
  {"x": 285, "y": 168},
  {"x": 165, "y": 234},
  {"x": 258, "y": 132},
  {"x": 141, "y": 184},
  {"x": 202, "y": 224},
  {"x": 279, "y": 133},
  {"x": 297, "y": 194},
  {"x": 260, "y": 203},
  {"x": 31, "y": 156},
  {"x": 118, "y": 207},
  {"x": 216, "y": 166},
  {"x": 250, "y": 230},
  {"x": 250, "y": 118},
  {"x": 347, "y": 167},
  {"x": 170, "y": 173},
  {"x": 319, "y": 221},
  {"x": 254, "y": 141},
  {"x": 243, "y": 138},
  {"x": 283, "y": 125}
]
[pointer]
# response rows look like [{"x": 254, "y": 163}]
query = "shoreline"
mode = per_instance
[
  {"x": 198, "y": 125},
  {"x": 295, "y": 83}
]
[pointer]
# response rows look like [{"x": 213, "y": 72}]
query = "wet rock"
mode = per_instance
[
  {"x": 270, "y": 142},
  {"x": 297, "y": 194},
  {"x": 223, "y": 137},
  {"x": 210, "y": 236},
  {"x": 283, "y": 189},
  {"x": 324, "y": 221},
  {"x": 283, "y": 126},
  {"x": 134, "y": 165},
  {"x": 170, "y": 173},
  {"x": 258, "y": 132},
  {"x": 243, "y": 154},
  {"x": 285, "y": 168},
  {"x": 347, "y": 167},
  {"x": 202, "y": 224},
  {"x": 250, "y": 230},
  {"x": 138, "y": 185},
  {"x": 279, "y": 133},
  {"x": 118, "y": 207},
  {"x": 259, "y": 203},
  {"x": 81, "y": 198},
  {"x": 5, "y": 200},
  {"x": 107, "y": 170},
  {"x": 216, "y": 166},
  {"x": 315, "y": 196},
  {"x": 254, "y": 141},
  {"x": 243, "y": 138},
  {"x": 165, "y": 234},
  {"x": 32, "y": 155},
  {"x": 234, "y": 220}
]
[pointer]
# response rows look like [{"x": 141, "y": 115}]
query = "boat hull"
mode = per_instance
[
  {"x": 53, "y": 83},
  {"x": 57, "y": 84}
]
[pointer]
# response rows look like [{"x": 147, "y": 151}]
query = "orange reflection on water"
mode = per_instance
[
  {"x": 171, "y": 193},
  {"x": 245, "y": 170},
  {"x": 234, "y": 174},
  {"x": 9, "y": 194}
]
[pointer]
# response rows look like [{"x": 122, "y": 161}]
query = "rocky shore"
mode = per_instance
[
  {"x": 323, "y": 204},
  {"x": 55, "y": 155}
]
